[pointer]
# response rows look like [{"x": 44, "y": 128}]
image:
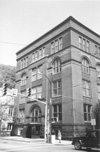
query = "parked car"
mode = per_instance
[{"x": 90, "y": 140}]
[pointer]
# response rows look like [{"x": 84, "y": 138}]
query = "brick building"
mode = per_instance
[{"x": 69, "y": 55}]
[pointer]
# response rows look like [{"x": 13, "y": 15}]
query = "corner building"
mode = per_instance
[{"x": 69, "y": 55}]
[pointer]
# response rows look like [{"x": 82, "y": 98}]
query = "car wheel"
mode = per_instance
[{"x": 77, "y": 145}]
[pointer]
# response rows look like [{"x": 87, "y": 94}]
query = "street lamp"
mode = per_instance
[{"x": 48, "y": 112}]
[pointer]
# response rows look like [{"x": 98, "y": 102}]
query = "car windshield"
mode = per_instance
[{"x": 93, "y": 134}]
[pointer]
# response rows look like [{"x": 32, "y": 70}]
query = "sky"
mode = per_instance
[{"x": 23, "y": 21}]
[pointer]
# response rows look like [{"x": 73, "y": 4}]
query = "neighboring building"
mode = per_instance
[
  {"x": 69, "y": 55},
  {"x": 6, "y": 111}
]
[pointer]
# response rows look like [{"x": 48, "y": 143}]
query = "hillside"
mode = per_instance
[{"x": 7, "y": 74}]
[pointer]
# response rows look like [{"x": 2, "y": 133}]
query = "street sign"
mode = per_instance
[
  {"x": 93, "y": 122},
  {"x": 14, "y": 92}
]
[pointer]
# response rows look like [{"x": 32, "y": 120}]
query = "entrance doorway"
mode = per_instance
[
  {"x": 36, "y": 131},
  {"x": 29, "y": 132}
]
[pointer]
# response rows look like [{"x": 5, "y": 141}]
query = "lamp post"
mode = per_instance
[{"x": 48, "y": 112}]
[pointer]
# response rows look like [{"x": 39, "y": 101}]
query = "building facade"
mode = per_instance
[
  {"x": 68, "y": 56},
  {"x": 6, "y": 111}
]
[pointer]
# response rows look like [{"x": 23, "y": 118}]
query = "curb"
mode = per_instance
[{"x": 35, "y": 140}]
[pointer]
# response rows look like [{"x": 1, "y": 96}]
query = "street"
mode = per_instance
[{"x": 36, "y": 146}]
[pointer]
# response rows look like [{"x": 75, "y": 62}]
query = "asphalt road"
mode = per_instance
[{"x": 18, "y": 146}]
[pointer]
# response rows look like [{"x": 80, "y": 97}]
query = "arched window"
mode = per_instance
[
  {"x": 36, "y": 114},
  {"x": 85, "y": 66},
  {"x": 23, "y": 79},
  {"x": 56, "y": 66},
  {"x": 98, "y": 70}
]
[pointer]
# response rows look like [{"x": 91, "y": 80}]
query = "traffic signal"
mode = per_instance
[
  {"x": 4, "y": 89},
  {"x": 28, "y": 91}
]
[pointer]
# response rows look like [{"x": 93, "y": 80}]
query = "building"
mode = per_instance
[
  {"x": 6, "y": 111},
  {"x": 68, "y": 56}
]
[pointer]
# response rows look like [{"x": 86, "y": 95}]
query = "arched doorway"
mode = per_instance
[{"x": 36, "y": 121}]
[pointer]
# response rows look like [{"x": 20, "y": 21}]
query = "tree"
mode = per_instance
[
  {"x": 7, "y": 74},
  {"x": 97, "y": 115}
]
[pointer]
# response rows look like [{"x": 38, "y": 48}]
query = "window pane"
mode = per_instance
[
  {"x": 56, "y": 66},
  {"x": 80, "y": 42},
  {"x": 52, "y": 47},
  {"x": 33, "y": 57},
  {"x": 55, "y": 108},
  {"x": 39, "y": 92},
  {"x": 59, "y": 108},
  {"x": 33, "y": 93},
  {"x": 87, "y": 46},
  {"x": 40, "y": 53},
  {"x": 86, "y": 88},
  {"x": 60, "y": 44},
  {"x": 60, "y": 116},
  {"x": 83, "y": 44},
  {"x": 85, "y": 66},
  {"x": 39, "y": 72},
  {"x": 43, "y": 51},
  {"x": 33, "y": 74},
  {"x": 87, "y": 112},
  {"x": 56, "y": 46}
]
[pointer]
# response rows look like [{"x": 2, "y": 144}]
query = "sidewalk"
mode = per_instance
[{"x": 40, "y": 140}]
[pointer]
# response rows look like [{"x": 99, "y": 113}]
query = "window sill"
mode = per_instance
[
  {"x": 86, "y": 96},
  {"x": 89, "y": 122}
]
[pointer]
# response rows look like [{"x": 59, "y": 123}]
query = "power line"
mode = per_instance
[{"x": 12, "y": 43}]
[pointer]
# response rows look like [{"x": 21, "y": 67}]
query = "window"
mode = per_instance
[
  {"x": 23, "y": 94},
  {"x": 87, "y": 112},
  {"x": 56, "y": 88},
  {"x": 36, "y": 55},
  {"x": 98, "y": 91},
  {"x": 56, "y": 66},
  {"x": 24, "y": 62},
  {"x": 98, "y": 70},
  {"x": 23, "y": 79},
  {"x": 85, "y": 66},
  {"x": 39, "y": 72},
  {"x": 33, "y": 57},
  {"x": 60, "y": 43},
  {"x": 33, "y": 93},
  {"x": 87, "y": 46},
  {"x": 80, "y": 42},
  {"x": 86, "y": 88},
  {"x": 21, "y": 64},
  {"x": 56, "y": 46},
  {"x": 39, "y": 92},
  {"x": 40, "y": 53},
  {"x": 33, "y": 76},
  {"x": 36, "y": 92},
  {"x": 43, "y": 52},
  {"x": 22, "y": 113},
  {"x": 97, "y": 51},
  {"x": 84, "y": 45},
  {"x": 57, "y": 111},
  {"x": 35, "y": 114},
  {"x": 36, "y": 73},
  {"x": 52, "y": 48},
  {"x": 11, "y": 110}
]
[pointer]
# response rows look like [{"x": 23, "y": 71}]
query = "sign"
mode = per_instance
[
  {"x": 93, "y": 122},
  {"x": 14, "y": 92}
]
